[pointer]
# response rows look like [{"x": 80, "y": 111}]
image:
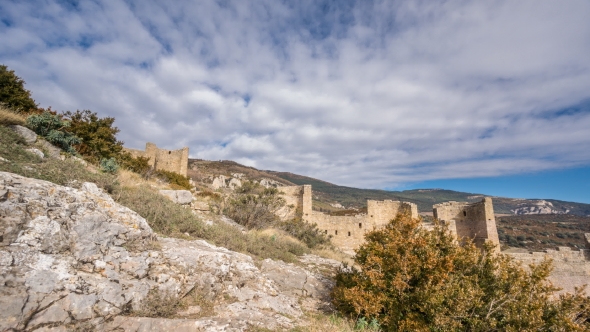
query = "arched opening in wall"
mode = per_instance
[
  {"x": 348, "y": 233},
  {"x": 360, "y": 225},
  {"x": 335, "y": 232},
  {"x": 326, "y": 231},
  {"x": 464, "y": 213},
  {"x": 169, "y": 152}
]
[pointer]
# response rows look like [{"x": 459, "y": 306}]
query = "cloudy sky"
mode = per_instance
[{"x": 373, "y": 94}]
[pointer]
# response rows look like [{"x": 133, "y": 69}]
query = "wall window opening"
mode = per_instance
[
  {"x": 335, "y": 232},
  {"x": 348, "y": 233},
  {"x": 360, "y": 225},
  {"x": 169, "y": 152},
  {"x": 465, "y": 213}
]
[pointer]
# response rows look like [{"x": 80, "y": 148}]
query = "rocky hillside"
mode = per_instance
[{"x": 73, "y": 259}]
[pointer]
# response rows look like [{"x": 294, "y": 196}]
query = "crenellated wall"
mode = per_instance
[
  {"x": 162, "y": 159},
  {"x": 346, "y": 232}
]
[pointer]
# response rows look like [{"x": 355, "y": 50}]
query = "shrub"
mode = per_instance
[
  {"x": 412, "y": 279},
  {"x": 109, "y": 165},
  {"x": 53, "y": 128},
  {"x": 97, "y": 135},
  {"x": 254, "y": 206},
  {"x": 139, "y": 165},
  {"x": 67, "y": 172},
  {"x": 177, "y": 181},
  {"x": 304, "y": 232},
  {"x": 13, "y": 94}
]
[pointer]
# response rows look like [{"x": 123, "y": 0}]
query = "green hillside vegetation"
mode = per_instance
[{"x": 541, "y": 231}]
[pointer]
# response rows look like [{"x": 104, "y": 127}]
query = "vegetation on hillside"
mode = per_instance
[
  {"x": 98, "y": 136},
  {"x": 16, "y": 159},
  {"x": 411, "y": 279},
  {"x": 541, "y": 231},
  {"x": 13, "y": 94}
]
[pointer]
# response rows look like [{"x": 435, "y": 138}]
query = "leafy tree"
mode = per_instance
[
  {"x": 98, "y": 135},
  {"x": 411, "y": 279},
  {"x": 13, "y": 93},
  {"x": 53, "y": 128}
]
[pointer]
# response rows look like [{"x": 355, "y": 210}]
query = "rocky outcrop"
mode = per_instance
[
  {"x": 75, "y": 259},
  {"x": 538, "y": 207},
  {"x": 181, "y": 197},
  {"x": 26, "y": 133}
]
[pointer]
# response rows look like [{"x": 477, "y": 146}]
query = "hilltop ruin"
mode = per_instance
[
  {"x": 161, "y": 159},
  {"x": 470, "y": 220}
]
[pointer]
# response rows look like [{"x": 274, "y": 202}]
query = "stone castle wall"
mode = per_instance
[
  {"x": 570, "y": 268},
  {"x": 475, "y": 221},
  {"x": 162, "y": 159},
  {"x": 347, "y": 232}
]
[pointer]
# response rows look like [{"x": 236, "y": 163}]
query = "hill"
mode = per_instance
[{"x": 425, "y": 198}]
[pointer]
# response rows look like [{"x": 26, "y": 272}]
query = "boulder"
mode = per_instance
[
  {"x": 181, "y": 197},
  {"x": 29, "y": 135},
  {"x": 37, "y": 152}
]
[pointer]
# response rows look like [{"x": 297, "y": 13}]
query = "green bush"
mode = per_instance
[
  {"x": 304, "y": 232},
  {"x": 109, "y": 165},
  {"x": 139, "y": 165},
  {"x": 66, "y": 172},
  {"x": 177, "y": 181},
  {"x": 412, "y": 279},
  {"x": 97, "y": 135},
  {"x": 53, "y": 128},
  {"x": 13, "y": 94}
]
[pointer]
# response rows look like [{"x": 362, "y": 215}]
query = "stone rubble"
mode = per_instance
[{"x": 76, "y": 259}]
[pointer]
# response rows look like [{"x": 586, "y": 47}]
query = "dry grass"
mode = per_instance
[
  {"x": 130, "y": 179},
  {"x": 9, "y": 118},
  {"x": 334, "y": 254}
]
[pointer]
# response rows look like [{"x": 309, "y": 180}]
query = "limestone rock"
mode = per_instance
[
  {"x": 36, "y": 152},
  {"x": 219, "y": 182},
  {"x": 67, "y": 262},
  {"x": 52, "y": 151},
  {"x": 268, "y": 183},
  {"x": 29, "y": 135},
  {"x": 181, "y": 197},
  {"x": 234, "y": 183}
]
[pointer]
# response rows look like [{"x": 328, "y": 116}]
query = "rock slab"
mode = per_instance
[{"x": 75, "y": 259}]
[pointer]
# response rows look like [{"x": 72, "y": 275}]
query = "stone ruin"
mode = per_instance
[
  {"x": 161, "y": 159},
  {"x": 475, "y": 220}
]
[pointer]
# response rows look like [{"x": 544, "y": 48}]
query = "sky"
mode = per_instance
[{"x": 488, "y": 96}]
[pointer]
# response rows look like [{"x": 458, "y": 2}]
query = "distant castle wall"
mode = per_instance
[
  {"x": 347, "y": 232},
  {"x": 570, "y": 268},
  {"x": 475, "y": 221},
  {"x": 162, "y": 159}
]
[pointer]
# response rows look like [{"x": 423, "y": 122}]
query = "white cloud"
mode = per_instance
[{"x": 370, "y": 94}]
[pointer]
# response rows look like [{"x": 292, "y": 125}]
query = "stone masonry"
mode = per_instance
[
  {"x": 347, "y": 232},
  {"x": 162, "y": 159},
  {"x": 475, "y": 221}
]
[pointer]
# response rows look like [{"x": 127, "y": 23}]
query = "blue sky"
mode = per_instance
[{"x": 489, "y": 95}]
